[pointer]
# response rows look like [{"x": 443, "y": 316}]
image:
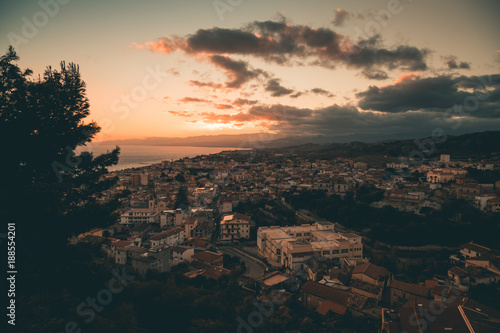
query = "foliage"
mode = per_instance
[
  {"x": 49, "y": 191},
  {"x": 456, "y": 223}
]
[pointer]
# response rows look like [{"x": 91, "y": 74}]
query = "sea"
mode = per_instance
[{"x": 135, "y": 156}]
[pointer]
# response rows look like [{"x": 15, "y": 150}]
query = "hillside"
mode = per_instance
[{"x": 475, "y": 145}]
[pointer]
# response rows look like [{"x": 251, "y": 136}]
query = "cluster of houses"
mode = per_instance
[
  {"x": 156, "y": 232},
  {"x": 438, "y": 181},
  {"x": 233, "y": 177},
  {"x": 372, "y": 291}
]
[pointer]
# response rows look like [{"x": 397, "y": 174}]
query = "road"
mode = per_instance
[{"x": 254, "y": 269}]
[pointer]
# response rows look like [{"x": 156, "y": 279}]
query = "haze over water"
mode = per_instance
[{"x": 135, "y": 156}]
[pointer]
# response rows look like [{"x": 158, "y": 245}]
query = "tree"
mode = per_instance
[
  {"x": 50, "y": 191},
  {"x": 181, "y": 199}
]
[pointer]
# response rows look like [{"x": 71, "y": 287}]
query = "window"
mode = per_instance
[
  {"x": 326, "y": 253},
  {"x": 335, "y": 252},
  {"x": 344, "y": 251},
  {"x": 299, "y": 234}
]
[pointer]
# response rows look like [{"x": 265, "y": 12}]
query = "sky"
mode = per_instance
[{"x": 286, "y": 67}]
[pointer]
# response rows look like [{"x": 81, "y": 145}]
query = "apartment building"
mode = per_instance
[
  {"x": 444, "y": 175},
  {"x": 170, "y": 218},
  {"x": 140, "y": 215},
  {"x": 171, "y": 237},
  {"x": 234, "y": 227},
  {"x": 292, "y": 246}
]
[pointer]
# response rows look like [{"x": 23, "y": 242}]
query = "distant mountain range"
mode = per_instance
[
  {"x": 258, "y": 140},
  {"x": 475, "y": 145},
  {"x": 480, "y": 144}
]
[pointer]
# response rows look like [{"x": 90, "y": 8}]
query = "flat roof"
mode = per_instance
[{"x": 275, "y": 279}]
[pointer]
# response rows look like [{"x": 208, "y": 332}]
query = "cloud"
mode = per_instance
[
  {"x": 452, "y": 63},
  {"x": 223, "y": 106},
  {"x": 413, "y": 93},
  {"x": 340, "y": 17},
  {"x": 193, "y": 100},
  {"x": 244, "y": 101},
  {"x": 374, "y": 74},
  {"x": 238, "y": 71},
  {"x": 320, "y": 91},
  {"x": 404, "y": 78},
  {"x": 344, "y": 120},
  {"x": 286, "y": 44},
  {"x": 181, "y": 113},
  {"x": 276, "y": 89},
  {"x": 212, "y": 85},
  {"x": 173, "y": 72}
]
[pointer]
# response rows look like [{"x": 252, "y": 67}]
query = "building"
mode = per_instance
[
  {"x": 209, "y": 258},
  {"x": 156, "y": 258},
  {"x": 170, "y": 218},
  {"x": 472, "y": 250},
  {"x": 226, "y": 207},
  {"x": 460, "y": 315},
  {"x": 493, "y": 205},
  {"x": 402, "y": 292},
  {"x": 444, "y": 158},
  {"x": 140, "y": 215},
  {"x": 292, "y": 246},
  {"x": 183, "y": 253},
  {"x": 189, "y": 224},
  {"x": 324, "y": 299},
  {"x": 234, "y": 227},
  {"x": 445, "y": 175},
  {"x": 372, "y": 274},
  {"x": 481, "y": 201},
  {"x": 171, "y": 237},
  {"x": 144, "y": 179}
]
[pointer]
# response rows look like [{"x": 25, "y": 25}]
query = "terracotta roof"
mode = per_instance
[
  {"x": 216, "y": 272},
  {"x": 458, "y": 271},
  {"x": 411, "y": 288},
  {"x": 463, "y": 316},
  {"x": 326, "y": 293},
  {"x": 371, "y": 270},
  {"x": 201, "y": 242},
  {"x": 475, "y": 247},
  {"x": 326, "y": 306},
  {"x": 339, "y": 275},
  {"x": 181, "y": 249},
  {"x": 207, "y": 256},
  {"x": 191, "y": 220},
  {"x": 121, "y": 243}
]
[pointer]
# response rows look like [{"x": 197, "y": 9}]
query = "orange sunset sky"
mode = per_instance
[{"x": 185, "y": 68}]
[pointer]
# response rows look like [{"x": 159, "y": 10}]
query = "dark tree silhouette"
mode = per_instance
[{"x": 50, "y": 191}]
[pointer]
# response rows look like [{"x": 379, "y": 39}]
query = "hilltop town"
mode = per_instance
[{"x": 382, "y": 244}]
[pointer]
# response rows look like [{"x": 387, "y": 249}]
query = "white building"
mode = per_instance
[
  {"x": 292, "y": 246},
  {"x": 234, "y": 227},
  {"x": 183, "y": 253},
  {"x": 171, "y": 237},
  {"x": 140, "y": 215}
]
